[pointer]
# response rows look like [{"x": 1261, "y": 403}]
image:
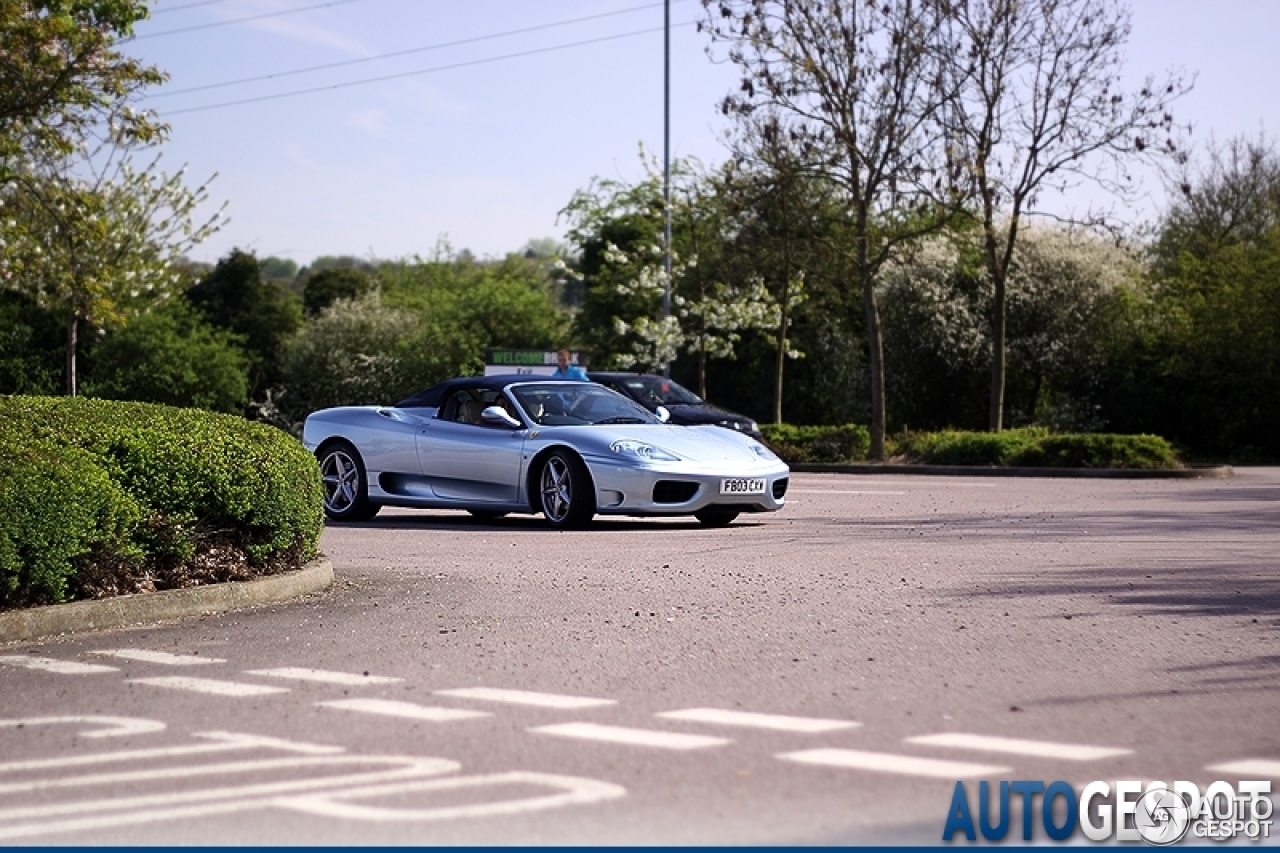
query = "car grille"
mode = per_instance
[
  {"x": 779, "y": 488},
  {"x": 673, "y": 491}
]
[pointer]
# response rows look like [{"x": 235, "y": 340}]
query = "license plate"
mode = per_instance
[{"x": 742, "y": 486}]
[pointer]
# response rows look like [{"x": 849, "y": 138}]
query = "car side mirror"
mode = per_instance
[
  {"x": 498, "y": 416},
  {"x": 663, "y": 414}
]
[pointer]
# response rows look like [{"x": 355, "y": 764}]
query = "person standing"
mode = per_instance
[{"x": 565, "y": 370}]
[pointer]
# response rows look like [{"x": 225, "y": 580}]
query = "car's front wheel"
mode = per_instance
[
  {"x": 566, "y": 493},
  {"x": 346, "y": 486},
  {"x": 716, "y": 516}
]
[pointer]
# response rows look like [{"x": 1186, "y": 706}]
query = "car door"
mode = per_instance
[{"x": 468, "y": 461}]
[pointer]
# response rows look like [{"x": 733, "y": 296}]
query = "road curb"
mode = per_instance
[
  {"x": 122, "y": 610},
  {"x": 1193, "y": 473}
]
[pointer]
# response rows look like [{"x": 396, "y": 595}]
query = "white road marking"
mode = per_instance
[
  {"x": 226, "y": 742},
  {"x": 158, "y": 657},
  {"x": 62, "y": 667},
  {"x": 882, "y": 762},
  {"x": 525, "y": 697},
  {"x": 408, "y": 710},
  {"x": 208, "y": 685},
  {"x": 118, "y": 726},
  {"x": 631, "y": 737},
  {"x": 177, "y": 805},
  {"x": 791, "y": 492},
  {"x": 236, "y": 740},
  {"x": 760, "y": 721},
  {"x": 906, "y": 480},
  {"x": 1037, "y": 748},
  {"x": 573, "y": 791},
  {"x": 324, "y": 676},
  {"x": 1252, "y": 768}
]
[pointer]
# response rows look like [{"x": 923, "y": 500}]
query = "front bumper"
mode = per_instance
[{"x": 674, "y": 490}]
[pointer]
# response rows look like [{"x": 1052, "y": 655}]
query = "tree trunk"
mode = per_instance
[
  {"x": 73, "y": 328},
  {"x": 998, "y": 312},
  {"x": 702, "y": 366},
  {"x": 875, "y": 364},
  {"x": 782, "y": 355}
]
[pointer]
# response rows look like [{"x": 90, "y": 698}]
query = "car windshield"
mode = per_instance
[
  {"x": 657, "y": 391},
  {"x": 578, "y": 403}
]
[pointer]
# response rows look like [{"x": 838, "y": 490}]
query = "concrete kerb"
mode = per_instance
[
  {"x": 1192, "y": 473},
  {"x": 34, "y": 622}
]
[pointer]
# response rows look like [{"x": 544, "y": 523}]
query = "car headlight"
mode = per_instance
[
  {"x": 740, "y": 426},
  {"x": 764, "y": 452},
  {"x": 640, "y": 450}
]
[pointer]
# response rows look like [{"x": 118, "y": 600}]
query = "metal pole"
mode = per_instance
[{"x": 666, "y": 166}]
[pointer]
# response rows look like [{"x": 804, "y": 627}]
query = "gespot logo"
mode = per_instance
[{"x": 1156, "y": 813}]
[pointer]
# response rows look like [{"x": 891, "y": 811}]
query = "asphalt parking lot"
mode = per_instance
[{"x": 825, "y": 674}]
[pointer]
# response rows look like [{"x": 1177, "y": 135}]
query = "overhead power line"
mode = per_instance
[
  {"x": 369, "y": 80},
  {"x": 243, "y": 20},
  {"x": 293, "y": 72},
  {"x": 184, "y": 6}
]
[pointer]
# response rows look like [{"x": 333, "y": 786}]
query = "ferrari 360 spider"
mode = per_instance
[{"x": 493, "y": 445}]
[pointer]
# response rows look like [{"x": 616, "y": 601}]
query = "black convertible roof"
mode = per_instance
[{"x": 436, "y": 394}]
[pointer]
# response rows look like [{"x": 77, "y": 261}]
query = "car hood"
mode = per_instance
[
  {"x": 699, "y": 444},
  {"x": 700, "y": 413}
]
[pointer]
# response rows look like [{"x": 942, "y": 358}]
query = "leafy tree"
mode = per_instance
[
  {"x": 1203, "y": 367},
  {"x": 31, "y": 355},
  {"x": 95, "y": 239},
  {"x": 281, "y": 270},
  {"x": 1038, "y": 104},
  {"x": 349, "y": 354},
  {"x": 234, "y": 297},
  {"x": 1064, "y": 289},
  {"x": 171, "y": 356},
  {"x": 62, "y": 78},
  {"x": 849, "y": 86},
  {"x": 329, "y": 285},
  {"x": 509, "y": 303}
]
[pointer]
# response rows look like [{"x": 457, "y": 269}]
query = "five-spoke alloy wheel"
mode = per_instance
[
  {"x": 566, "y": 493},
  {"x": 346, "y": 488}
]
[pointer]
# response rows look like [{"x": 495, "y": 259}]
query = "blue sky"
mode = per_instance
[{"x": 520, "y": 104}]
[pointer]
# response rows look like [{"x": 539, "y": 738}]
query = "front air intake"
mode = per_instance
[
  {"x": 779, "y": 488},
  {"x": 673, "y": 491}
]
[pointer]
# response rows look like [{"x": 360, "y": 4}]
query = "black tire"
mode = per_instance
[
  {"x": 346, "y": 486},
  {"x": 487, "y": 514},
  {"x": 566, "y": 494},
  {"x": 716, "y": 516}
]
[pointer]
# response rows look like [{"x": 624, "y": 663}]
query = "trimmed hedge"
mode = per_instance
[
  {"x": 100, "y": 497},
  {"x": 1035, "y": 447},
  {"x": 1031, "y": 447},
  {"x": 831, "y": 444}
]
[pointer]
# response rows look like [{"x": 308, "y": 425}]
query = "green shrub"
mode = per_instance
[
  {"x": 1098, "y": 451},
  {"x": 821, "y": 444},
  {"x": 951, "y": 447},
  {"x": 58, "y": 509},
  {"x": 1035, "y": 447},
  {"x": 201, "y": 482}
]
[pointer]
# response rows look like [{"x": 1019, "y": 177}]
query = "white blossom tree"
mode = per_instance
[{"x": 97, "y": 238}]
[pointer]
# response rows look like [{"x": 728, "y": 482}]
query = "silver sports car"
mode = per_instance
[{"x": 494, "y": 445}]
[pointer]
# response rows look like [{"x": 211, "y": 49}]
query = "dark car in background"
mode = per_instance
[{"x": 686, "y": 408}]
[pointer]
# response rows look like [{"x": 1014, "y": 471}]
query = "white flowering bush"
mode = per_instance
[{"x": 937, "y": 302}]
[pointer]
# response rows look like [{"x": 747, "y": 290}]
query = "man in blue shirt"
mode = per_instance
[{"x": 565, "y": 370}]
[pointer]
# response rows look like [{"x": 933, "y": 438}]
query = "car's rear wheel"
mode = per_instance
[
  {"x": 566, "y": 494},
  {"x": 716, "y": 516},
  {"x": 346, "y": 486}
]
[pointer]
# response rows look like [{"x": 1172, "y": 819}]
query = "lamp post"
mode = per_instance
[{"x": 666, "y": 169}]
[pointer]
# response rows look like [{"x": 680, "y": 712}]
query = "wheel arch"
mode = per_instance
[{"x": 533, "y": 490}]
